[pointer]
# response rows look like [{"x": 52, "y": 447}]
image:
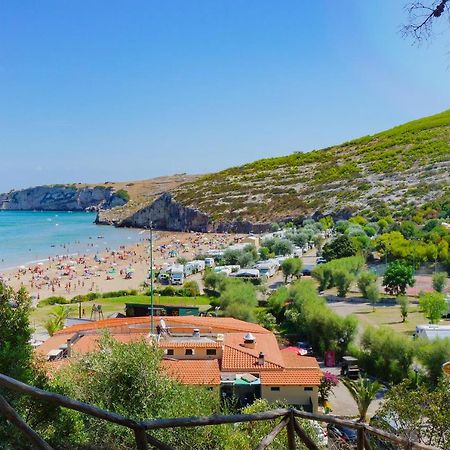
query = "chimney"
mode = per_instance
[
  {"x": 196, "y": 333},
  {"x": 261, "y": 359},
  {"x": 249, "y": 340}
]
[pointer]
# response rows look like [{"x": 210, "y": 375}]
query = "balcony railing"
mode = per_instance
[{"x": 142, "y": 429}]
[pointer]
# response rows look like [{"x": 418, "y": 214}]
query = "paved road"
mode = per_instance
[{"x": 342, "y": 402}]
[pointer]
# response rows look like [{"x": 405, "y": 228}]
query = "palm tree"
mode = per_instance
[
  {"x": 363, "y": 392},
  {"x": 57, "y": 319}
]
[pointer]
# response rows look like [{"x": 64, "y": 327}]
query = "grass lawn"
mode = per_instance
[{"x": 116, "y": 304}]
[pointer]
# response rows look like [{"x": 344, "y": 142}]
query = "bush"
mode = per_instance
[
  {"x": 190, "y": 289},
  {"x": 403, "y": 301},
  {"x": 439, "y": 281},
  {"x": 121, "y": 293},
  {"x": 54, "y": 300},
  {"x": 385, "y": 354},
  {"x": 123, "y": 194},
  {"x": 365, "y": 279},
  {"x": 324, "y": 273},
  {"x": 342, "y": 279},
  {"x": 373, "y": 294},
  {"x": 434, "y": 305},
  {"x": 308, "y": 316}
]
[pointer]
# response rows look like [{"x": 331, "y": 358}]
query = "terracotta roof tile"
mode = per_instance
[
  {"x": 238, "y": 357},
  {"x": 89, "y": 342},
  {"x": 291, "y": 360},
  {"x": 192, "y": 371},
  {"x": 206, "y": 324},
  {"x": 191, "y": 343},
  {"x": 292, "y": 377}
]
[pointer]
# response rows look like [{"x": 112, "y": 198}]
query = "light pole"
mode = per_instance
[{"x": 151, "y": 280}]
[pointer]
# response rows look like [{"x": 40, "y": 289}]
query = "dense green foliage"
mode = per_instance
[
  {"x": 363, "y": 392},
  {"x": 325, "y": 274},
  {"x": 127, "y": 379},
  {"x": 385, "y": 354},
  {"x": 340, "y": 247},
  {"x": 302, "y": 312},
  {"x": 398, "y": 277},
  {"x": 291, "y": 267},
  {"x": 418, "y": 413},
  {"x": 434, "y": 305},
  {"x": 123, "y": 194}
]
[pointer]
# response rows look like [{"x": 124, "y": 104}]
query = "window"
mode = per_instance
[
  {"x": 274, "y": 388},
  {"x": 189, "y": 352},
  {"x": 169, "y": 351},
  {"x": 210, "y": 351},
  {"x": 308, "y": 389}
]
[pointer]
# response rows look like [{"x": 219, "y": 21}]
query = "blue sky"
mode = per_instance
[{"x": 96, "y": 90}]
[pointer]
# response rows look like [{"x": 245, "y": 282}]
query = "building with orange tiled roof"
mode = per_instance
[{"x": 241, "y": 359}]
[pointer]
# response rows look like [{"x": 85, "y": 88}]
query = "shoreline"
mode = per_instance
[{"x": 79, "y": 274}]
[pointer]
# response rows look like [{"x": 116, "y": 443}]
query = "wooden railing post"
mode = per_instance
[
  {"x": 9, "y": 413},
  {"x": 141, "y": 439},
  {"x": 291, "y": 430}
]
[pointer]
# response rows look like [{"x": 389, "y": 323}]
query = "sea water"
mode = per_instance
[{"x": 33, "y": 236}]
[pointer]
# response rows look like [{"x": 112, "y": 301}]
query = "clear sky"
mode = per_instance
[{"x": 94, "y": 90}]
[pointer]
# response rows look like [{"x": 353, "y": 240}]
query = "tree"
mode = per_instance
[
  {"x": 373, "y": 294},
  {"x": 342, "y": 279},
  {"x": 365, "y": 279},
  {"x": 127, "y": 378},
  {"x": 434, "y": 305},
  {"x": 385, "y": 354},
  {"x": 432, "y": 355},
  {"x": 340, "y": 247},
  {"x": 439, "y": 281},
  {"x": 363, "y": 392},
  {"x": 16, "y": 360},
  {"x": 57, "y": 319},
  {"x": 422, "y": 15},
  {"x": 427, "y": 424},
  {"x": 403, "y": 301},
  {"x": 398, "y": 277},
  {"x": 291, "y": 267},
  {"x": 238, "y": 300}
]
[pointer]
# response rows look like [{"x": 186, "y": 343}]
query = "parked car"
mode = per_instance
[
  {"x": 349, "y": 367},
  {"x": 307, "y": 268},
  {"x": 306, "y": 346},
  {"x": 321, "y": 260},
  {"x": 338, "y": 433}
]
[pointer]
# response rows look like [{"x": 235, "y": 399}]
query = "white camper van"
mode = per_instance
[{"x": 433, "y": 331}]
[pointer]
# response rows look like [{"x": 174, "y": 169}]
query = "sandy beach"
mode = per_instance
[{"x": 124, "y": 268}]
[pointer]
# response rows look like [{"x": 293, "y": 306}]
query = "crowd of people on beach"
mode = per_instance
[{"x": 123, "y": 268}]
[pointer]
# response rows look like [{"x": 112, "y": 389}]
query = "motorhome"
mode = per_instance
[
  {"x": 194, "y": 267},
  {"x": 247, "y": 273},
  {"x": 177, "y": 274},
  {"x": 209, "y": 262},
  {"x": 267, "y": 268},
  {"x": 433, "y": 331}
]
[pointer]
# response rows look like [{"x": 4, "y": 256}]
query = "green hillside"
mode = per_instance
[{"x": 400, "y": 168}]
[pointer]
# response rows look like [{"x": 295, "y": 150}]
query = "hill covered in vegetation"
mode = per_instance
[{"x": 396, "y": 170}]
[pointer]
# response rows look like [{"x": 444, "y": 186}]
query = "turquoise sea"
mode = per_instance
[{"x": 31, "y": 236}]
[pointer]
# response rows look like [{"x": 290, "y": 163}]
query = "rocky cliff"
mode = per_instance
[
  {"x": 167, "y": 214},
  {"x": 61, "y": 198}
]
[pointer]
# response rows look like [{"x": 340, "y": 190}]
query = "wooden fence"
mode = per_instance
[{"x": 142, "y": 429}]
